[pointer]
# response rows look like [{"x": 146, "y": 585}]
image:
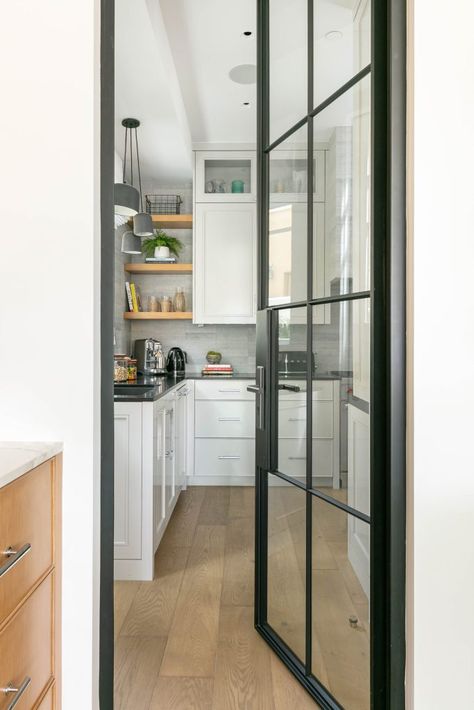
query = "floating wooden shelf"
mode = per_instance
[
  {"x": 157, "y": 315},
  {"x": 159, "y": 268},
  {"x": 173, "y": 221}
]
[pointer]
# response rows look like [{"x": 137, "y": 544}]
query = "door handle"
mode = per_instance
[
  {"x": 259, "y": 390},
  {"x": 18, "y": 691},
  {"x": 13, "y": 557},
  {"x": 290, "y": 388},
  {"x": 254, "y": 389}
]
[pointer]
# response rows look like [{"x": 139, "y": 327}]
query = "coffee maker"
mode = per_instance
[{"x": 150, "y": 358}]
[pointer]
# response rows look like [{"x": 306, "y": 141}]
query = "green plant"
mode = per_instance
[{"x": 161, "y": 239}]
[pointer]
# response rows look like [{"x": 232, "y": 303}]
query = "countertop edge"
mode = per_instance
[{"x": 39, "y": 453}]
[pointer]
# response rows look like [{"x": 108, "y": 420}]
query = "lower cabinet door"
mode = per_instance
[
  {"x": 128, "y": 480},
  {"x": 26, "y": 649},
  {"x": 48, "y": 701},
  {"x": 225, "y": 458},
  {"x": 292, "y": 460}
]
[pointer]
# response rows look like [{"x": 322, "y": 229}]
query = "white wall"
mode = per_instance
[
  {"x": 441, "y": 494},
  {"x": 49, "y": 308}
]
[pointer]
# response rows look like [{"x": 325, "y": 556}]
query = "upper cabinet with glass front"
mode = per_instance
[
  {"x": 289, "y": 181},
  {"x": 225, "y": 176}
]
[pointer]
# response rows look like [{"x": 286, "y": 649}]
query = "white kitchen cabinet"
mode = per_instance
[
  {"x": 127, "y": 480},
  {"x": 225, "y": 263},
  {"x": 184, "y": 432},
  {"x": 218, "y": 174},
  {"x": 288, "y": 176}
]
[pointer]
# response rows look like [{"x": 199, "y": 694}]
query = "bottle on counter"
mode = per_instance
[
  {"x": 121, "y": 368},
  {"x": 179, "y": 302}
]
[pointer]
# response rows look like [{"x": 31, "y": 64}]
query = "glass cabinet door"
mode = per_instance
[{"x": 225, "y": 176}]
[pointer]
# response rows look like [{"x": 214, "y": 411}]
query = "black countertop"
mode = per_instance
[{"x": 160, "y": 386}]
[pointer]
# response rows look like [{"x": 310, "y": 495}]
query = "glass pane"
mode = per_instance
[
  {"x": 288, "y": 177},
  {"x": 341, "y": 391},
  {"x": 292, "y": 392},
  {"x": 341, "y": 43},
  {"x": 288, "y": 59},
  {"x": 341, "y": 639},
  {"x": 342, "y": 234},
  {"x": 286, "y": 562},
  {"x": 227, "y": 176}
]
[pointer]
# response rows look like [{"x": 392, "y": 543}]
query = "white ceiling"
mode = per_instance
[{"x": 173, "y": 59}]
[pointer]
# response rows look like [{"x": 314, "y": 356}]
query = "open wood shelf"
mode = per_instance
[
  {"x": 173, "y": 221},
  {"x": 158, "y": 315},
  {"x": 159, "y": 268}
]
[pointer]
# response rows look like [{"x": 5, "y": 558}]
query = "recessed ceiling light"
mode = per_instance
[
  {"x": 247, "y": 33},
  {"x": 244, "y": 74},
  {"x": 333, "y": 35}
]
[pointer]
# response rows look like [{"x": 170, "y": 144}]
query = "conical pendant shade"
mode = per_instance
[
  {"x": 143, "y": 225},
  {"x": 126, "y": 199},
  {"x": 131, "y": 244}
]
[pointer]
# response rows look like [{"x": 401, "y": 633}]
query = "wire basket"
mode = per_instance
[{"x": 163, "y": 204}]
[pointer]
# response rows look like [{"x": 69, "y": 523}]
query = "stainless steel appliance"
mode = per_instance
[
  {"x": 293, "y": 362},
  {"x": 150, "y": 358},
  {"x": 176, "y": 361}
]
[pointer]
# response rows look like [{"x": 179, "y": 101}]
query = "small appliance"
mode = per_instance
[
  {"x": 176, "y": 361},
  {"x": 150, "y": 358}
]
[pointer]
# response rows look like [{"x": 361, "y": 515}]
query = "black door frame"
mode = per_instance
[{"x": 388, "y": 338}]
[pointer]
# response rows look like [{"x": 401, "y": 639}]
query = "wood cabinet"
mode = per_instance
[
  {"x": 225, "y": 263},
  {"x": 30, "y": 589}
]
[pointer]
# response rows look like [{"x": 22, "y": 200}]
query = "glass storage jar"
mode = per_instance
[
  {"x": 132, "y": 369},
  {"x": 121, "y": 368},
  {"x": 179, "y": 300}
]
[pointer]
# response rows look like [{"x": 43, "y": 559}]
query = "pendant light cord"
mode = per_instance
[
  {"x": 139, "y": 171},
  {"x": 124, "y": 167}
]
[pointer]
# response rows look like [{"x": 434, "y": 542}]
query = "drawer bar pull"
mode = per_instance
[
  {"x": 228, "y": 419},
  {"x": 296, "y": 419},
  {"x": 296, "y": 458},
  {"x": 229, "y": 458},
  {"x": 230, "y": 390},
  {"x": 18, "y": 691},
  {"x": 13, "y": 557}
]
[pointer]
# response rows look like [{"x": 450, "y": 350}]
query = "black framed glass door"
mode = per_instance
[{"x": 330, "y": 381}]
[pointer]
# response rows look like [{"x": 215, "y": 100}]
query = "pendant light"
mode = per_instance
[
  {"x": 126, "y": 196},
  {"x": 131, "y": 244},
  {"x": 142, "y": 222}
]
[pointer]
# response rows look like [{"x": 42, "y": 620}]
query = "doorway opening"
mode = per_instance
[{"x": 258, "y": 545}]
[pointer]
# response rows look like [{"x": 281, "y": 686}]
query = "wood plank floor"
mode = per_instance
[{"x": 186, "y": 640}]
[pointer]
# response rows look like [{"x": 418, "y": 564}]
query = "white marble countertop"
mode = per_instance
[{"x": 19, "y": 457}]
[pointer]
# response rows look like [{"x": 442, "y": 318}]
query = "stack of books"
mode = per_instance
[
  {"x": 133, "y": 297},
  {"x": 158, "y": 260},
  {"x": 221, "y": 370}
]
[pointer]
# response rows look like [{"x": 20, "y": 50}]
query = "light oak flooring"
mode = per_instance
[{"x": 186, "y": 640}]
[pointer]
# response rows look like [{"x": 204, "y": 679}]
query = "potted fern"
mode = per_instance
[{"x": 161, "y": 245}]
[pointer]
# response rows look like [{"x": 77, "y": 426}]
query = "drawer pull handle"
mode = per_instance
[
  {"x": 13, "y": 557},
  {"x": 296, "y": 419},
  {"x": 296, "y": 458},
  {"x": 230, "y": 390},
  {"x": 18, "y": 691},
  {"x": 228, "y": 419},
  {"x": 229, "y": 458}
]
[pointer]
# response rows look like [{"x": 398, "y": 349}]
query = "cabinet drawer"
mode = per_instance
[
  {"x": 225, "y": 457},
  {"x": 223, "y": 389},
  {"x": 292, "y": 419},
  {"x": 322, "y": 390},
  {"x": 26, "y": 647},
  {"x": 26, "y": 519},
  {"x": 225, "y": 419},
  {"x": 292, "y": 458}
]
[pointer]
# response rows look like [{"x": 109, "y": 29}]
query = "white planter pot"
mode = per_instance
[{"x": 162, "y": 252}]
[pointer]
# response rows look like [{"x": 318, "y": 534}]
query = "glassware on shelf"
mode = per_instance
[
  {"x": 153, "y": 304},
  {"x": 179, "y": 301}
]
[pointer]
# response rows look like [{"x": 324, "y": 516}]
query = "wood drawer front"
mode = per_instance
[
  {"x": 225, "y": 419},
  {"x": 223, "y": 389},
  {"x": 26, "y": 647},
  {"x": 322, "y": 390},
  {"x": 292, "y": 458},
  {"x": 292, "y": 419},
  {"x": 225, "y": 457},
  {"x": 48, "y": 701},
  {"x": 26, "y": 517}
]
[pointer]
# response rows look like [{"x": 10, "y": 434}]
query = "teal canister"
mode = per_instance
[{"x": 237, "y": 186}]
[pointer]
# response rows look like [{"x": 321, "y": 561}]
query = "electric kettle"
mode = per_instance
[{"x": 175, "y": 363}]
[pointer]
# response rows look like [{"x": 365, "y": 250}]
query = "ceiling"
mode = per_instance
[{"x": 173, "y": 59}]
